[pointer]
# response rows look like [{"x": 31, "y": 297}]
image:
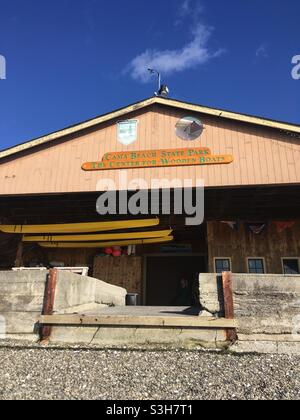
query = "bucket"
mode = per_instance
[{"x": 132, "y": 299}]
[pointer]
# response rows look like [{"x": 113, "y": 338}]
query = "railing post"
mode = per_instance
[
  {"x": 229, "y": 304},
  {"x": 48, "y": 306}
]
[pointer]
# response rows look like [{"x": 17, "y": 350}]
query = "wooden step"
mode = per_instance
[{"x": 139, "y": 321}]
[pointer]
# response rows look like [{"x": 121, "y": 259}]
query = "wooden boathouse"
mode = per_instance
[{"x": 251, "y": 172}]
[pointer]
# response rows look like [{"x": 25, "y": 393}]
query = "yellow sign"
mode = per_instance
[{"x": 157, "y": 159}]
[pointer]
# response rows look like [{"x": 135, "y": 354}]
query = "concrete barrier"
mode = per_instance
[
  {"x": 21, "y": 302},
  {"x": 266, "y": 307},
  {"x": 211, "y": 293},
  {"x": 267, "y": 310},
  {"x": 114, "y": 336},
  {"x": 22, "y": 299},
  {"x": 79, "y": 294}
]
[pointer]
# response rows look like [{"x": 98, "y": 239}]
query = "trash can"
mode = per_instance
[{"x": 132, "y": 299}]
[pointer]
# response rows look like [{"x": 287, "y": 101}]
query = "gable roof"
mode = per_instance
[{"x": 287, "y": 127}]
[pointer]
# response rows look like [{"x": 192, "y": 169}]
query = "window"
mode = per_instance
[
  {"x": 290, "y": 266},
  {"x": 222, "y": 265},
  {"x": 256, "y": 266}
]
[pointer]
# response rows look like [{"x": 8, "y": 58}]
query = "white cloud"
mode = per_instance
[
  {"x": 185, "y": 8},
  {"x": 188, "y": 9},
  {"x": 191, "y": 55},
  {"x": 262, "y": 51}
]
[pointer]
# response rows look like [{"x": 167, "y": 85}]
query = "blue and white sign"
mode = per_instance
[{"x": 127, "y": 132}]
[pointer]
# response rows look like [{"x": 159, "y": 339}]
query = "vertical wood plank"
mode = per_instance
[
  {"x": 123, "y": 271},
  {"x": 231, "y": 334},
  {"x": 49, "y": 299}
]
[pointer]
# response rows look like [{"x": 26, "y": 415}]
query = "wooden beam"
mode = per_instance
[
  {"x": 137, "y": 321},
  {"x": 19, "y": 255},
  {"x": 48, "y": 306},
  {"x": 229, "y": 304}
]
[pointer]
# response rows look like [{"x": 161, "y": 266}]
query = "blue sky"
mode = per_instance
[{"x": 71, "y": 60}]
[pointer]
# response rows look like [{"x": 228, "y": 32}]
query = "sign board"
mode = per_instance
[
  {"x": 127, "y": 132},
  {"x": 157, "y": 159}
]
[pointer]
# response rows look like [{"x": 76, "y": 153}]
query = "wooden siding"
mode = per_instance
[
  {"x": 124, "y": 272},
  {"x": 70, "y": 258},
  {"x": 261, "y": 156},
  {"x": 223, "y": 242}
]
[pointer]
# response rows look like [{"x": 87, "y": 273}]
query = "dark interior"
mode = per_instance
[{"x": 164, "y": 275}]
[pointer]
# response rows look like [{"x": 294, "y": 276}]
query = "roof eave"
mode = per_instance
[{"x": 286, "y": 127}]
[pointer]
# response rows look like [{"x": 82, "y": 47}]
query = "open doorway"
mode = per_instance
[{"x": 164, "y": 279}]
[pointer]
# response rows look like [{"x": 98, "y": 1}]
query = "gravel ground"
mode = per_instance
[{"x": 89, "y": 373}]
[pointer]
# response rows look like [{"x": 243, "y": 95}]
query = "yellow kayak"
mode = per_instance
[
  {"x": 99, "y": 237},
  {"x": 75, "y": 245},
  {"x": 80, "y": 227}
]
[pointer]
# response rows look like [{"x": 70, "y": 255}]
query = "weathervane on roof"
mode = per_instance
[{"x": 163, "y": 90}]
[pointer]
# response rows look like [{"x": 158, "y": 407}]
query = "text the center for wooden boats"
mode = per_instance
[{"x": 157, "y": 158}]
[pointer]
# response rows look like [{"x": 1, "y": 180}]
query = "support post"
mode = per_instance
[
  {"x": 48, "y": 307},
  {"x": 229, "y": 304},
  {"x": 19, "y": 255}
]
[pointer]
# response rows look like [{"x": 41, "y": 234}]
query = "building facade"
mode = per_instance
[{"x": 249, "y": 167}]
